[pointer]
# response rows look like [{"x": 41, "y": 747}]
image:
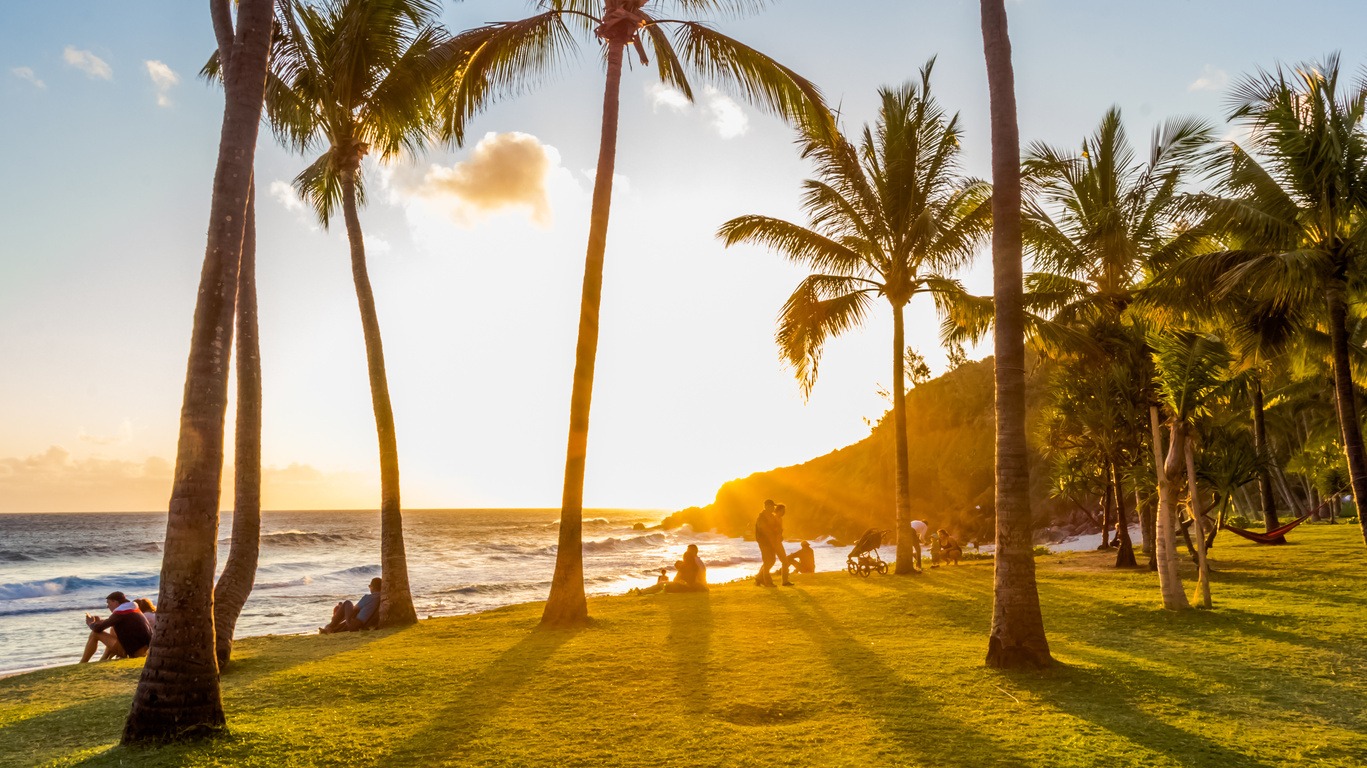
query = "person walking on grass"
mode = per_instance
[
  {"x": 764, "y": 525},
  {"x": 777, "y": 544}
]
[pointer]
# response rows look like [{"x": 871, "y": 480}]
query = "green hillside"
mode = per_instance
[{"x": 949, "y": 426}]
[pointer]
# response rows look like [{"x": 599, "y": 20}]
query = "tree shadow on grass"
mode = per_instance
[
  {"x": 91, "y": 722},
  {"x": 907, "y": 714},
  {"x": 452, "y": 735},
  {"x": 690, "y": 641},
  {"x": 1104, "y": 697}
]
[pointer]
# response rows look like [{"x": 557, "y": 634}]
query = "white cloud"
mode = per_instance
[
  {"x": 88, "y": 63},
  {"x": 27, "y": 73},
  {"x": 285, "y": 194},
  {"x": 374, "y": 244},
  {"x": 123, "y": 436},
  {"x": 1211, "y": 79},
  {"x": 504, "y": 170},
  {"x": 163, "y": 80},
  {"x": 662, "y": 95},
  {"x": 725, "y": 116}
]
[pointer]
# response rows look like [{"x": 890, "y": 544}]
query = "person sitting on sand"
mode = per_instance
[
  {"x": 804, "y": 559},
  {"x": 149, "y": 611},
  {"x": 690, "y": 573},
  {"x": 124, "y": 634},
  {"x": 365, "y": 614},
  {"x": 950, "y": 549}
]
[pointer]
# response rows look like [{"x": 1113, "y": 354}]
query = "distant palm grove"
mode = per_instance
[{"x": 1180, "y": 339}]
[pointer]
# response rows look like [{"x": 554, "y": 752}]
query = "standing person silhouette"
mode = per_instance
[
  {"x": 920, "y": 527},
  {"x": 764, "y": 527},
  {"x": 779, "y": 550}
]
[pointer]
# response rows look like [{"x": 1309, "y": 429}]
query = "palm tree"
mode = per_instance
[
  {"x": 356, "y": 77},
  {"x": 891, "y": 216},
  {"x": 1017, "y": 636},
  {"x": 178, "y": 694},
  {"x": 1190, "y": 366},
  {"x": 1297, "y": 197},
  {"x": 239, "y": 571},
  {"x": 499, "y": 59}
]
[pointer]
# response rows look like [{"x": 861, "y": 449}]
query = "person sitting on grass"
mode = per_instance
[
  {"x": 804, "y": 559},
  {"x": 691, "y": 573},
  {"x": 149, "y": 611},
  {"x": 365, "y": 614},
  {"x": 659, "y": 586},
  {"x": 124, "y": 634},
  {"x": 950, "y": 549}
]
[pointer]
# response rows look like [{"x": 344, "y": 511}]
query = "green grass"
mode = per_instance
[{"x": 885, "y": 671}]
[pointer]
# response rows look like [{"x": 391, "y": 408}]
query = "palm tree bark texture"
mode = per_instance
[
  {"x": 239, "y": 571},
  {"x": 1017, "y": 637},
  {"x": 566, "y": 605},
  {"x": 178, "y": 693}
]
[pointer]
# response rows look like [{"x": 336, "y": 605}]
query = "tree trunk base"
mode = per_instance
[
  {"x": 169, "y": 730},
  {"x": 1001, "y": 655}
]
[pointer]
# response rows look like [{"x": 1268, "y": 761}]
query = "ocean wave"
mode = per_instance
[
  {"x": 592, "y": 522},
  {"x": 629, "y": 543},
  {"x": 359, "y": 570},
  {"x": 23, "y": 590},
  {"x": 63, "y": 551},
  {"x": 299, "y": 582},
  {"x": 7, "y": 556},
  {"x": 299, "y": 538},
  {"x": 728, "y": 561}
]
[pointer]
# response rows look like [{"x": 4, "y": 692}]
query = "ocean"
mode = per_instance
[{"x": 55, "y": 568}]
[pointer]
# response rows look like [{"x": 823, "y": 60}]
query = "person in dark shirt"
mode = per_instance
[
  {"x": 124, "y": 634},
  {"x": 365, "y": 614}
]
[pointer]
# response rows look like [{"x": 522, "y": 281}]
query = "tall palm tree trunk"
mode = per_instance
[
  {"x": 1265, "y": 495},
  {"x": 1017, "y": 636},
  {"x": 1124, "y": 556},
  {"x": 908, "y": 542},
  {"x": 1198, "y": 521},
  {"x": 1345, "y": 397},
  {"x": 1165, "y": 538},
  {"x": 396, "y": 600},
  {"x": 178, "y": 694},
  {"x": 239, "y": 572},
  {"x": 566, "y": 605}
]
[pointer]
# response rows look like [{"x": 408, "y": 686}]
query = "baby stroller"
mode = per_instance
[{"x": 864, "y": 558}]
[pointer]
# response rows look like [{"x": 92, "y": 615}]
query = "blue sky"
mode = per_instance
[{"x": 105, "y": 206}]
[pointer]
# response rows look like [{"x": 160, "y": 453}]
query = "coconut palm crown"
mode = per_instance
[{"x": 891, "y": 216}]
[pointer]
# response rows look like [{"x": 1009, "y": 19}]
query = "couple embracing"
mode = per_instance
[{"x": 769, "y": 536}]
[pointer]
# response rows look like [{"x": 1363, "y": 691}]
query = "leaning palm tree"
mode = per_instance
[
  {"x": 890, "y": 216},
  {"x": 500, "y": 59},
  {"x": 239, "y": 570},
  {"x": 1296, "y": 195},
  {"x": 178, "y": 694},
  {"x": 1017, "y": 635},
  {"x": 355, "y": 77}
]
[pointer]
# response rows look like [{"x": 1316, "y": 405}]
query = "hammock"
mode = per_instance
[{"x": 1274, "y": 536}]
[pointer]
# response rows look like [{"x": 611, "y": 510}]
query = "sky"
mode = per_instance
[{"x": 476, "y": 252}]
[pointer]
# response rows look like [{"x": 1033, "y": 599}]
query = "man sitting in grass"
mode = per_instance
[{"x": 365, "y": 614}]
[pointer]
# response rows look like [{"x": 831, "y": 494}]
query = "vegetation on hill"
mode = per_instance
[{"x": 847, "y": 491}]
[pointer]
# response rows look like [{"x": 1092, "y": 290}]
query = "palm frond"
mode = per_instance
[{"x": 822, "y": 306}]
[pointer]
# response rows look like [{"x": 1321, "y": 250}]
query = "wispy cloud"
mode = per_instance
[
  {"x": 504, "y": 170},
  {"x": 88, "y": 63},
  {"x": 27, "y": 73},
  {"x": 163, "y": 80},
  {"x": 1211, "y": 79},
  {"x": 722, "y": 113},
  {"x": 284, "y": 193}
]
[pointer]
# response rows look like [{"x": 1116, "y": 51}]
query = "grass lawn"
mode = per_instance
[{"x": 885, "y": 671}]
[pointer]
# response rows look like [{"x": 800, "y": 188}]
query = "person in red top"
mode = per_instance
[{"x": 124, "y": 634}]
